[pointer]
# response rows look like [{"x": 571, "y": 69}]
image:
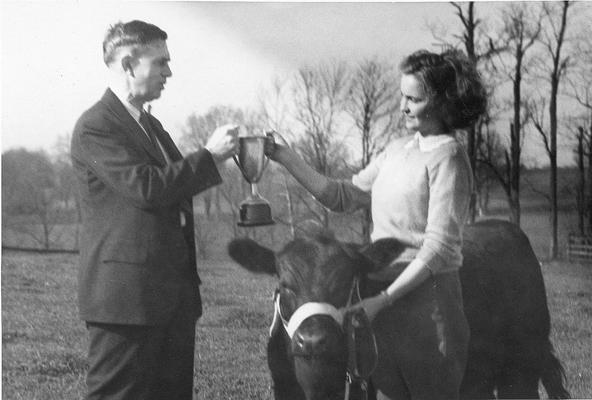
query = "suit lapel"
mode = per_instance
[
  {"x": 166, "y": 141},
  {"x": 134, "y": 131}
]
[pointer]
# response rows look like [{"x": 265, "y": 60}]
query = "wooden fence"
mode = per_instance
[{"x": 579, "y": 248}]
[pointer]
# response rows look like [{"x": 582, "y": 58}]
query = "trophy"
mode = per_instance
[{"x": 251, "y": 160}]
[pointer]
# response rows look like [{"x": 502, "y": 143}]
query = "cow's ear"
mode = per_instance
[
  {"x": 382, "y": 252},
  {"x": 252, "y": 256}
]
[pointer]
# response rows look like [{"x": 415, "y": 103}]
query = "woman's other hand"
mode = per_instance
[{"x": 372, "y": 305}]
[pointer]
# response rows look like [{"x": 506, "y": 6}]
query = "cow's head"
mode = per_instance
[{"x": 316, "y": 276}]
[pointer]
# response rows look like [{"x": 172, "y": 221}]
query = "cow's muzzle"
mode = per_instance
[{"x": 319, "y": 336}]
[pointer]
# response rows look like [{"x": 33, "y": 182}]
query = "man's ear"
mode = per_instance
[{"x": 127, "y": 64}]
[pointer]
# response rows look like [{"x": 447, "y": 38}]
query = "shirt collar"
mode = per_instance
[
  {"x": 134, "y": 112},
  {"x": 429, "y": 143}
]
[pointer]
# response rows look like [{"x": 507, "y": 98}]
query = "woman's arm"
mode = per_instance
[
  {"x": 450, "y": 182},
  {"x": 312, "y": 180},
  {"x": 412, "y": 276},
  {"x": 336, "y": 195}
]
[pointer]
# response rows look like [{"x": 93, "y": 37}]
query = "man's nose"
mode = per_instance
[{"x": 167, "y": 72}]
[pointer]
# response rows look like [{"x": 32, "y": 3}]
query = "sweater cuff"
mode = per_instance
[{"x": 434, "y": 261}]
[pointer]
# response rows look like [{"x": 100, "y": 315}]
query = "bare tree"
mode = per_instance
[
  {"x": 520, "y": 31},
  {"x": 274, "y": 108},
  {"x": 580, "y": 88},
  {"x": 198, "y": 128},
  {"x": 319, "y": 100},
  {"x": 373, "y": 102},
  {"x": 480, "y": 48},
  {"x": 66, "y": 194},
  {"x": 554, "y": 64},
  {"x": 588, "y": 154},
  {"x": 580, "y": 79},
  {"x": 29, "y": 195},
  {"x": 581, "y": 185},
  {"x": 493, "y": 156}
]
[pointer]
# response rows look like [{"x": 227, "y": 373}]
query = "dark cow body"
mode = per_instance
[{"x": 504, "y": 301}]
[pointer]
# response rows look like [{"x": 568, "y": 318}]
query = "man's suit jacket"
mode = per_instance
[{"x": 138, "y": 263}]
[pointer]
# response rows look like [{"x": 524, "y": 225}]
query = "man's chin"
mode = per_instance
[{"x": 154, "y": 96}]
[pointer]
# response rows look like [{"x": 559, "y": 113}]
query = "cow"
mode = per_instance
[{"x": 309, "y": 353}]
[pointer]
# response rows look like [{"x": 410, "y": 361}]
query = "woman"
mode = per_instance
[{"x": 419, "y": 190}]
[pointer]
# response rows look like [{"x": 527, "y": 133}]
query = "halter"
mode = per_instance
[
  {"x": 316, "y": 308},
  {"x": 312, "y": 308}
]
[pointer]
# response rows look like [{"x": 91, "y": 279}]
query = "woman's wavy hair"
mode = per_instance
[
  {"x": 452, "y": 82},
  {"x": 134, "y": 33}
]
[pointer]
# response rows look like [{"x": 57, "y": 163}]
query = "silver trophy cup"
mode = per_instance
[{"x": 251, "y": 160}]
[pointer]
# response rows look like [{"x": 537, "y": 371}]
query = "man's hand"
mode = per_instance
[{"x": 223, "y": 143}]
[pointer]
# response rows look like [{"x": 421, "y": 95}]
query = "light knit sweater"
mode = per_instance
[{"x": 420, "y": 189}]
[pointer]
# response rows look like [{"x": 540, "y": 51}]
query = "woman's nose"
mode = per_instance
[{"x": 403, "y": 106}]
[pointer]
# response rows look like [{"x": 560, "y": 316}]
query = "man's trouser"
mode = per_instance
[{"x": 134, "y": 362}]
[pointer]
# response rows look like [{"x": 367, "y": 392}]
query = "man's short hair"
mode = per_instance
[{"x": 134, "y": 33}]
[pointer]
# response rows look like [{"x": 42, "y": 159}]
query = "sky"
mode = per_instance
[{"x": 221, "y": 52}]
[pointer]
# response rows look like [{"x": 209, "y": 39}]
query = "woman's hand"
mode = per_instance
[
  {"x": 274, "y": 143},
  {"x": 372, "y": 305}
]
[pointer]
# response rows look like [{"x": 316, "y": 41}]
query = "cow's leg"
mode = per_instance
[
  {"x": 357, "y": 392},
  {"x": 518, "y": 382},
  {"x": 479, "y": 379}
]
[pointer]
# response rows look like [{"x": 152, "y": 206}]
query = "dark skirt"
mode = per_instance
[{"x": 422, "y": 341}]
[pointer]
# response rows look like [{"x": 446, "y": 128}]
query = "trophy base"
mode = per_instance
[{"x": 255, "y": 214}]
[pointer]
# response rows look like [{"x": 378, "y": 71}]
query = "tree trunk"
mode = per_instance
[
  {"x": 554, "y": 251},
  {"x": 582, "y": 181},
  {"x": 473, "y": 161},
  {"x": 589, "y": 200},
  {"x": 515, "y": 131},
  {"x": 514, "y": 178}
]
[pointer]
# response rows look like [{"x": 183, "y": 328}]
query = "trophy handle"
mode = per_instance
[
  {"x": 235, "y": 158},
  {"x": 269, "y": 143},
  {"x": 265, "y": 162}
]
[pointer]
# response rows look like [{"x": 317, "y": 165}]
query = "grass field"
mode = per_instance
[{"x": 43, "y": 342}]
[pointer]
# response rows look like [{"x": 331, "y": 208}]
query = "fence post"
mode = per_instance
[{"x": 579, "y": 248}]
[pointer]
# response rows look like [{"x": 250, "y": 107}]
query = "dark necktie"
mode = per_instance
[
  {"x": 185, "y": 205},
  {"x": 147, "y": 125}
]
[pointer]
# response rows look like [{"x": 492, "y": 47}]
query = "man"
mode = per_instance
[{"x": 138, "y": 284}]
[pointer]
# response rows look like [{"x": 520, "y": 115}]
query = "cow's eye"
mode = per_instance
[{"x": 287, "y": 302}]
